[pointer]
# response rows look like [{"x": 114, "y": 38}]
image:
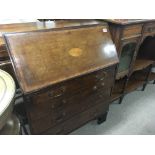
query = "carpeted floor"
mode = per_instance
[{"x": 135, "y": 116}]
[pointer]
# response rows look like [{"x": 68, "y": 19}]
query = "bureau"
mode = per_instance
[
  {"x": 66, "y": 75},
  {"x": 135, "y": 43}
]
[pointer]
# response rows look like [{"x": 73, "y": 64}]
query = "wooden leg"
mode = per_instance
[
  {"x": 102, "y": 118},
  {"x": 147, "y": 77},
  {"x": 144, "y": 86},
  {"x": 25, "y": 130},
  {"x": 120, "y": 100}
]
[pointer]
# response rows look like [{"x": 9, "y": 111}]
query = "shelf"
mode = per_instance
[
  {"x": 137, "y": 79},
  {"x": 133, "y": 85},
  {"x": 152, "y": 76},
  {"x": 5, "y": 62},
  {"x": 141, "y": 64},
  {"x": 115, "y": 96}
]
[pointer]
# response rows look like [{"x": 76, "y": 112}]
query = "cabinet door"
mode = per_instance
[{"x": 128, "y": 49}]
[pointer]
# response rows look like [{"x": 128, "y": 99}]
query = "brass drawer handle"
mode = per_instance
[
  {"x": 57, "y": 93},
  {"x": 95, "y": 88},
  {"x": 101, "y": 79}
]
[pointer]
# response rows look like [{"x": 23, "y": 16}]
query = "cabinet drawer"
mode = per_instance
[
  {"x": 103, "y": 78},
  {"x": 80, "y": 94},
  {"x": 132, "y": 31},
  {"x": 78, "y": 91},
  {"x": 66, "y": 107},
  {"x": 149, "y": 28},
  {"x": 74, "y": 122},
  {"x": 73, "y": 107}
]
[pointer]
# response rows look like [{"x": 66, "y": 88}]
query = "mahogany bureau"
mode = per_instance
[
  {"x": 135, "y": 44},
  {"x": 66, "y": 75}
]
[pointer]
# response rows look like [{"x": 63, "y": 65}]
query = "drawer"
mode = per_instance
[
  {"x": 131, "y": 31},
  {"x": 72, "y": 123},
  {"x": 103, "y": 78},
  {"x": 149, "y": 28},
  {"x": 3, "y": 53},
  {"x": 76, "y": 95},
  {"x": 75, "y": 106},
  {"x": 67, "y": 107}
]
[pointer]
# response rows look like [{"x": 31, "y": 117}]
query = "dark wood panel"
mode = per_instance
[
  {"x": 124, "y": 22},
  {"x": 149, "y": 28},
  {"x": 51, "y": 111},
  {"x": 78, "y": 120},
  {"x": 132, "y": 31}
]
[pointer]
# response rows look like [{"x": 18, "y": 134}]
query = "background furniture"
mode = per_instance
[
  {"x": 9, "y": 123},
  {"x": 135, "y": 43}
]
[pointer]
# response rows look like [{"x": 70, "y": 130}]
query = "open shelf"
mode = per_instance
[
  {"x": 115, "y": 96},
  {"x": 152, "y": 76},
  {"x": 136, "y": 80},
  {"x": 133, "y": 85},
  {"x": 141, "y": 64}
]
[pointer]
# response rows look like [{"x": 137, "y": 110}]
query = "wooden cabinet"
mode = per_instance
[
  {"x": 135, "y": 44},
  {"x": 66, "y": 75}
]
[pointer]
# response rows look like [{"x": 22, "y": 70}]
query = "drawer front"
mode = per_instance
[
  {"x": 75, "y": 91},
  {"x": 63, "y": 113},
  {"x": 61, "y": 110},
  {"x": 149, "y": 28},
  {"x": 75, "y": 122},
  {"x": 71, "y": 87},
  {"x": 3, "y": 53},
  {"x": 132, "y": 31}
]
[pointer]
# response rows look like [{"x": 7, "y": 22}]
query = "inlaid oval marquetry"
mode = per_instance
[{"x": 75, "y": 52}]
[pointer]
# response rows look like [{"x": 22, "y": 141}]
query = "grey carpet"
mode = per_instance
[{"x": 135, "y": 116}]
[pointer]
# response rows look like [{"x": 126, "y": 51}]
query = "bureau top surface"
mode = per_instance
[
  {"x": 30, "y": 26},
  {"x": 43, "y": 58},
  {"x": 128, "y": 21}
]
